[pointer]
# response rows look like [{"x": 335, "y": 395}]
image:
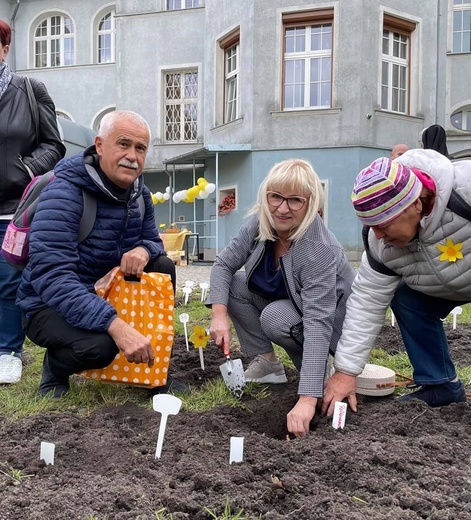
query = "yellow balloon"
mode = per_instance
[
  {"x": 155, "y": 200},
  {"x": 202, "y": 182}
]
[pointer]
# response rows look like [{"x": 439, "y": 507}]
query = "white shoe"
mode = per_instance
[{"x": 10, "y": 368}]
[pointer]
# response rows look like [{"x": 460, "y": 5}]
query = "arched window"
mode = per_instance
[
  {"x": 461, "y": 118},
  {"x": 97, "y": 119},
  {"x": 54, "y": 42},
  {"x": 64, "y": 114},
  {"x": 105, "y": 37}
]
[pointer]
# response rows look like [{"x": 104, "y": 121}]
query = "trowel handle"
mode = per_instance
[{"x": 226, "y": 349}]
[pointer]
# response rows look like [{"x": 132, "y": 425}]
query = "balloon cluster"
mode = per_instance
[
  {"x": 158, "y": 196},
  {"x": 200, "y": 191}
]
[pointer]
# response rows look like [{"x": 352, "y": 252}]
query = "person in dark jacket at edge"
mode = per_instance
[
  {"x": 24, "y": 153},
  {"x": 63, "y": 313},
  {"x": 434, "y": 138}
]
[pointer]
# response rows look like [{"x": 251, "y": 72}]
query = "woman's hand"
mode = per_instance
[
  {"x": 301, "y": 415},
  {"x": 220, "y": 328},
  {"x": 336, "y": 389}
]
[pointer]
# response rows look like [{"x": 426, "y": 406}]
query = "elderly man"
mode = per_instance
[
  {"x": 62, "y": 312},
  {"x": 398, "y": 150},
  {"x": 417, "y": 261}
]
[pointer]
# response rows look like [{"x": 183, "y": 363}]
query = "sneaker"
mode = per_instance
[
  {"x": 10, "y": 368},
  {"x": 261, "y": 370},
  {"x": 438, "y": 395},
  {"x": 51, "y": 384}
]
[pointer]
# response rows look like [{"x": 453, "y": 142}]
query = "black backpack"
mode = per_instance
[{"x": 15, "y": 246}]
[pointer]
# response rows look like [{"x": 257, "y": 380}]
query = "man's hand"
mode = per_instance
[
  {"x": 301, "y": 415},
  {"x": 134, "y": 261},
  {"x": 336, "y": 389},
  {"x": 135, "y": 347}
]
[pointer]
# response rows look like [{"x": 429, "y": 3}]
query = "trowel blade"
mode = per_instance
[{"x": 234, "y": 376}]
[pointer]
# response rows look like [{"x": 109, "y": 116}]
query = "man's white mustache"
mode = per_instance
[{"x": 129, "y": 164}]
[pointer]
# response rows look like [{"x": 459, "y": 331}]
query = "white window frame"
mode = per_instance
[
  {"x": 178, "y": 5},
  {"x": 183, "y": 103},
  {"x": 307, "y": 58},
  {"x": 231, "y": 84},
  {"x": 459, "y": 34},
  {"x": 110, "y": 11},
  {"x": 397, "y": 68},
  {"x": 50, "y": 40}
]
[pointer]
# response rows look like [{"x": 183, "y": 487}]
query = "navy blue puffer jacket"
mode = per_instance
[{"x": 61, "y": 273}]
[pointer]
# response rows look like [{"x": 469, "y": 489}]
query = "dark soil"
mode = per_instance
[{"x": 392, "y": 460}]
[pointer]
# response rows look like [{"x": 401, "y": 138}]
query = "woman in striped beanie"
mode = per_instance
[{"x": 417, "y": 261}]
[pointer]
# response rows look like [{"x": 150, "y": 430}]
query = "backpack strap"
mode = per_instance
[
  {"x": 458, "y": 205},
  {"x": 33, "y": 104},
  {"x": 87, "y": 221},
  {"x": 375, "y": 264}
]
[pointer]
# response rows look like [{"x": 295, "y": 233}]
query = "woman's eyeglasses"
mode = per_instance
[{"x": 275, "y": 200}]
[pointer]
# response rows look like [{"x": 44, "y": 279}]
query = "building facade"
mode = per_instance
[{"x": 231, "y": 87}]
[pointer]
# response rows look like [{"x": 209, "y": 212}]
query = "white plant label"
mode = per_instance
[
  {"x": 340, "y": 412},
  {"x": 237, "y": 450},
  {"x": 47, "y": 452}
]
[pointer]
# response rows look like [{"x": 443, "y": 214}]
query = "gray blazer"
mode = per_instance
[{"x": 318, "y": 278}]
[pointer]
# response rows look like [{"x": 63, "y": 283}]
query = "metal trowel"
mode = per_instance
[{"x": 232, "y": 372}]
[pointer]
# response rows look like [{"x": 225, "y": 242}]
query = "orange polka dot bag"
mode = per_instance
[{"x": 148, "y": 306}]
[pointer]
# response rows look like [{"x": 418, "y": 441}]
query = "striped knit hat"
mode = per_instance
[{"x": 383, "y": 191}]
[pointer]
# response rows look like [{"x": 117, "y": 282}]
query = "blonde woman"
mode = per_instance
[{"x": 292, "y": 291}]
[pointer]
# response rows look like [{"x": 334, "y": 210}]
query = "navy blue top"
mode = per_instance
[{"x": 266, "y": 280}]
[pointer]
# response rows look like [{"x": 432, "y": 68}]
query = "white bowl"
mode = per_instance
[{"x": 374, "y": 375}]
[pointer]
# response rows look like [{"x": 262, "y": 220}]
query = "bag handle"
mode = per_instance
[{"x": 33, "y": 104}]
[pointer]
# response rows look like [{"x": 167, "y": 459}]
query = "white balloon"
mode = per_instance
[
  {"x": 158, "y": 194},
  {"x": 209, "y": 188},
  {"x": 166, "y": 196},
  {"x": 184, "y": 194},
  {"x": 167, "y": 189},
  {"x": 203, "y": 195},
  {"x": 176, "y": 198}
]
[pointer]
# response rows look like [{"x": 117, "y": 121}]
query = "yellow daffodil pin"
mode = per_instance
[
  {"x": 199, "y": 338},
  {"x": 451, "y": 252}
]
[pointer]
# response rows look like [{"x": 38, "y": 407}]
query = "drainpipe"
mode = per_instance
[
  {"x": 437, "y": 68},
  {"x": 12, "y": 61}
]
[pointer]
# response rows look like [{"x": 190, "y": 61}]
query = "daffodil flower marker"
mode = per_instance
[
  {"x": 200, "y": 338},
  {"x": 451, "y": 252}
]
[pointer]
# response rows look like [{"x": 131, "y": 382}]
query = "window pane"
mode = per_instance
[
  {"x": 384, "y": 97},
  {"x": 384, "y": 72},
  {"x": 385, "y": 42},
  {"x": 68, "y": 27},
  {"x": 55, "y": 25},
  {"x": 69, "y": 51},
  {"x": 295, "y": 39},
  {"x": 42, "y": 29},
  {"x": 468, "y": 121},
  {"x": 467, "y": 20},
  {"x": 467, "y": 42},
  {"x": 456, "y": 42},
  {"x": 41, "y": 54},
  {"x": 289, "y": 96},
  {"x": 457, "y": 120},
  {"x": 105, "y": 23},
  {"x": 325, "y": 94}
]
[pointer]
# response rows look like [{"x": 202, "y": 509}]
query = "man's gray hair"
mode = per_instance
[{"x": 109, "y": 119}]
